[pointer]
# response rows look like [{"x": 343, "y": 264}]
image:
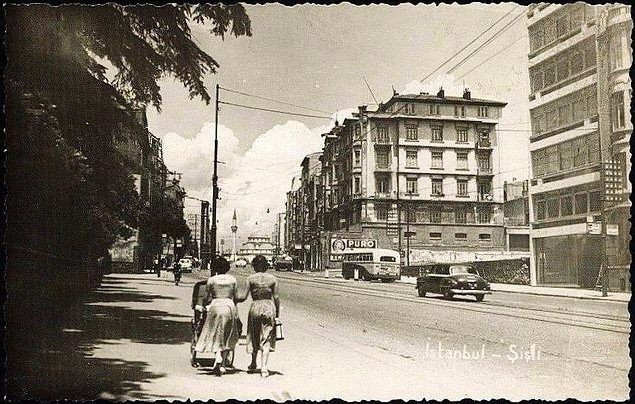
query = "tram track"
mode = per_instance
[{"x": 587, "y": 320}]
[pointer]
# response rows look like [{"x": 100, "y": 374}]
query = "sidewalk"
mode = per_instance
[{"x": 526, "y": 289}]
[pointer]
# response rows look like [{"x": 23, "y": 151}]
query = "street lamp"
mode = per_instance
[{"x": 408, "y": 233}]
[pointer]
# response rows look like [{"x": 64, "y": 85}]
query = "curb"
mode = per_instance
[{"x": 529, "y": 292}]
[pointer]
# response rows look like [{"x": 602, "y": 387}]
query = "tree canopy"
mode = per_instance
[{"x": 70, "y": 195}]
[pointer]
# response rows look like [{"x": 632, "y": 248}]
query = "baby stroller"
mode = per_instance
[{"x": 198, "y": 297}]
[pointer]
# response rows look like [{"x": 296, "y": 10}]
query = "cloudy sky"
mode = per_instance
[{"x": 318, "y": 57}]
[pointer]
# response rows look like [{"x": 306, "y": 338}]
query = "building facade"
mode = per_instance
[
  {"x": 256, "y": 245},
  {"x": 422, "y": 163},
  {"x": 574, "y": 82}
]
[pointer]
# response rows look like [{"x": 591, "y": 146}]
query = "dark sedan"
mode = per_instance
[{"x": 450, "y": 280}]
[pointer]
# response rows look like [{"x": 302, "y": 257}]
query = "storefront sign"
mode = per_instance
[
  {"x": 594, "y": 228},
  {"x": 612, "y": 230}
]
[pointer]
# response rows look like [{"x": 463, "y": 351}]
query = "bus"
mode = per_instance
[{"x": 372, "y": 263}]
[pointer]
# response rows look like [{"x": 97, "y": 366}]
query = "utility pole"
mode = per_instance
[{"x": 215, "y": 183}]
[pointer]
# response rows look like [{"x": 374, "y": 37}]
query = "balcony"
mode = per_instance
[
  {"x": 485, "y": 197},
  {"x": 483, "y": 144},
  {"x": 484, "y": 170},
  {"x": 383, "y": 141},
  {"x": 383, "y": 167}
]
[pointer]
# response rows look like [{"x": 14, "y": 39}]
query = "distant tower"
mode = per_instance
[{"x": 234, "y": 229}]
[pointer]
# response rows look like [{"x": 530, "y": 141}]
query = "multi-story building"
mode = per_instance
[
  {"x": 571, "y": 94},
  {"x": 615, "y": 58},
  {"x": 422, "y": 162}
]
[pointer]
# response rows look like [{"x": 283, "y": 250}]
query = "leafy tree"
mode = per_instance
[{"x": 70, "y": 193}]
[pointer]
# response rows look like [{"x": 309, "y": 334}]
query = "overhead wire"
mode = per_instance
[
  {"x": 487, "y": 42},
  {"x": 491, "y": 57},
  {"x": 471, "y": 42},
  {"x": 273, "y": 100},
  {"x": 274, "y": 110}
]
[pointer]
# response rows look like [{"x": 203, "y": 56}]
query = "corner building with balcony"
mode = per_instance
[
  {"x": 420, "y": 162},
  {"x": 579, "y": 107}
]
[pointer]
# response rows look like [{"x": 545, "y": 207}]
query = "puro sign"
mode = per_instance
[{"x": 340, "y": 245}]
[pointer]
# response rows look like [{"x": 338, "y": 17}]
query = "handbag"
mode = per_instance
[{"x": 279, "y": 331}]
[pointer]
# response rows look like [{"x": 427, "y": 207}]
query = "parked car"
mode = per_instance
[
  {"x": 452, "y": 279},
  {"x": 283, "y": 263},
  {"x": 186, "y": 264},
  {"x": 241, "y": 263}
]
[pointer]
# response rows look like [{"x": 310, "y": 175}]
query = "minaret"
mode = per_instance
[{"x": 234, "y": 229}]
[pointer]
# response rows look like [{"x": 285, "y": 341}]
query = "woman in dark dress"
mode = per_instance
[{"x": 265, "y": 308}]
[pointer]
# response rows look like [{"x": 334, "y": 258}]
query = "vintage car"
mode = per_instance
[
  {"x": 450, "y": 280},
  {"x": 283, "y": 263}
]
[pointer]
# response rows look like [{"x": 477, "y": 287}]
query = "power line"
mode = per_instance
[
  {"x": 369, "y": 90},
  {"x": 466, "y": 46},
  {"x": 274, "y": 100},
  {"x": 274, "y": 110},
  {"x": 505, "y": 27},
  {"x": 491, "y": 57}
]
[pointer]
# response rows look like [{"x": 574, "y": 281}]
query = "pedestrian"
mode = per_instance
[
  {"x": 263, "y": 314},
  {"x": 177, "y": 273},
  {"x": 222, "y": 327}
]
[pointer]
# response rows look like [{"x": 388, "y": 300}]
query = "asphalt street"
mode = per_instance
[{"x": 346, "y": 339}]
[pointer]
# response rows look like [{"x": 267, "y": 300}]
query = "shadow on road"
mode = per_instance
[{"x": 59, "y": 363}]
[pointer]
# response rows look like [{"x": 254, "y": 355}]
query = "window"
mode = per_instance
[
  {"x": 435, "y": 236},
  {"x": 484, "y": 216},
  {"x": 381, "y": 212},
  {"x": 437, "y": 133},
  {"x": 485, "y": 237},
  {"x": 566, "y": 155},
  {"x": 410, "y": 109},
  {"x": 562, "y": 72},
  {"x": 411, "y": 186},
  {"x": 553, "y": 208},
  {"x": 461, "y": 135},
  {"x": 383, "y": 159},
  {"x": 460, "y": 215},
  {"x": 435, "y": 109},
  {"x": 562, "y": 25},
  {"x": 435, "y": 215},
  {"x": 357, "y": 157},
  {"x": 566, "y": 205},
  {"x": 595, "y": 201},
  {"x": 460, "y": 236},
  {"x": 382, "y": 135},
  {"x": 358, "y": 131},
  {"x": 576, "y": 63},
  {"x": 581, "y": 203},
  {"x": 437, "y": 186},
  {"x": 411, "y": 158},
  {"x": 461, "y": 161},
  {"x": 550, "y": 75},
  {"x": 482, "y": 111},
  {"x": 383, "y": 185},
  {"x": 461, "y": 187},
  {"x": 540, "y": 211},
  {"x": 412, "y": 132},
  {"x": 437, "y": 159},
  {"x": 459, "y": 110},
  {"x": 617, "y": 110},
  {"x": 615, "y": 52},
  {"x": 357, "y": 185}
]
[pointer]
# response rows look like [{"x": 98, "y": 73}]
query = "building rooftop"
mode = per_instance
[{"x": 445, "y": 99}]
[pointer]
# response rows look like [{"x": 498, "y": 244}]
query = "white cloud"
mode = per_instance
[{"x": 193, "y": 157}]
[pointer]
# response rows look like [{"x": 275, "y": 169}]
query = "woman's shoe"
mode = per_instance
[
  {"x": 264, "y": 373},
  {"x": 252, "y": 368}
]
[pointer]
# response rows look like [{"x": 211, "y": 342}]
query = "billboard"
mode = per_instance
[{"x": 343, "y": 245}]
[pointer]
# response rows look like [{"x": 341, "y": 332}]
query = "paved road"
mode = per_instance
[{"x": 344, "y": 339}]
